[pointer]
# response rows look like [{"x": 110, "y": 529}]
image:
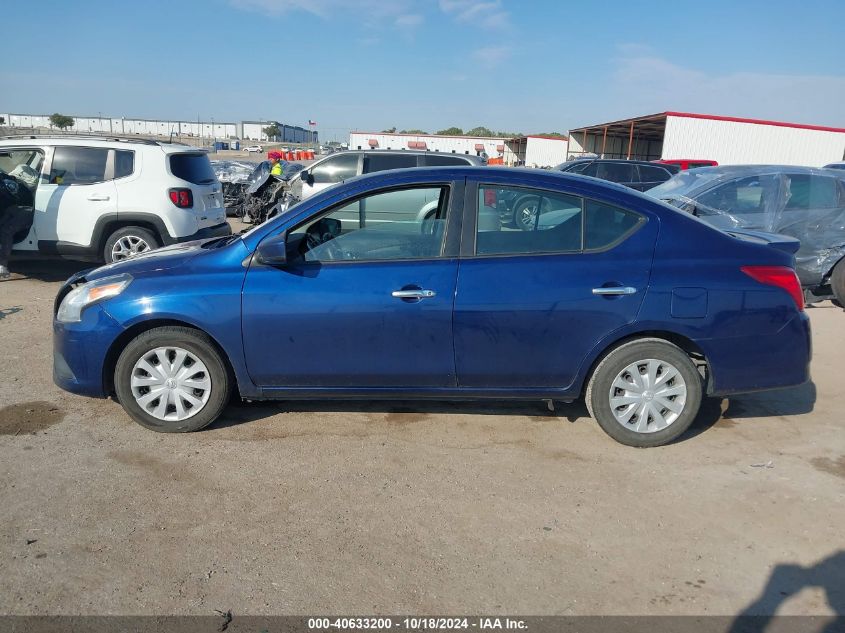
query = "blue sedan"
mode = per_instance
[{"x": 406, "y": 285}]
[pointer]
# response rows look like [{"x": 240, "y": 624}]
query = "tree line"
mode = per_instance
[{"x": 476, "y": 131}]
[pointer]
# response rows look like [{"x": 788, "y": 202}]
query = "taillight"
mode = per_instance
[
  {"x": 181, "y": 197},
  {"x": 780, "y": 276}
]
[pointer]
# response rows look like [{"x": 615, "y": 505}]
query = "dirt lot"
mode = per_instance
[{"x": 412, "y": 507}]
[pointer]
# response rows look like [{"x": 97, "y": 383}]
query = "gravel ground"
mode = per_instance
[{"x": 412, "y": 507}]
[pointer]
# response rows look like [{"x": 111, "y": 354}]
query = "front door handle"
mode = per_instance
[
  {"x": 98, "y": 197},
  {"x": 611, "y": 291},
  {"x": 413, "y": 294}
]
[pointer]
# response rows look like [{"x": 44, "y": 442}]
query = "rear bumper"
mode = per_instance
[
  {"x": 218, "y": 230},
  {"x": 758, "y": 363}
]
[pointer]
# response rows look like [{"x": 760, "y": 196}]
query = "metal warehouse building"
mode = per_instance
[
  {"x": 536, "y": 151},
  {"x": 252, "y": 130},
  {"x": 728, "y": 140}
]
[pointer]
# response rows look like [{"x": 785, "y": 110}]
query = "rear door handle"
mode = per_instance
[
  {"x": 614, "y": 290},
  {"x": 413, "y": 294},
  {"x": 98, "y": 197}
]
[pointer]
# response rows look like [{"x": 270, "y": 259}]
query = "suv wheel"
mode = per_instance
[
  {"x": 128, "y": 242},
  {"x": 645, "y": 393},
  {"x": 172, "y": 380}
]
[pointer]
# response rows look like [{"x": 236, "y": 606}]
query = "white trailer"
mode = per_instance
[{"x": 727, "y": 140}]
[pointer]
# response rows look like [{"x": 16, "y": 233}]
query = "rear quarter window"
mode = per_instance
[{"x": 195, "y": 168}]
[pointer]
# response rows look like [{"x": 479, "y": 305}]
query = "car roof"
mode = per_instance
[
  {"x": 750, "y": 170},
  {"x": 411, "y": 152},
  {"x": 93, "y": 141},
  {"x": 614, "y": 160}
]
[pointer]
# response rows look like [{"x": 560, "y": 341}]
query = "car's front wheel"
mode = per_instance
[
  {"x": 645, "y": 393},
  {"x": 172, "y": 380}
]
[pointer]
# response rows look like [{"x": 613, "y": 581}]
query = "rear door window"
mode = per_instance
[
  {"x": 195, "y": 168},
  {"x": 616, "y": 172},
  {"x": 79, "y": 165},
  {"x": 553, "y": 222},
  {"x": 383, "y": 162},
  {"x": 750, "y": 195},
  {"x": 335, "y": 169}
]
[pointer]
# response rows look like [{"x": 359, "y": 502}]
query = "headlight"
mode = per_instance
[{"x": 80, "y": 298}]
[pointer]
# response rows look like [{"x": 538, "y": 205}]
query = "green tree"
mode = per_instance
[
  {"x": 413, "y": 132},
  {"x": 451, "y": 131},
  {"x": 391, "y": 130},
  {"x": 61, "y": 121},
  {"x": 272, "y": 130},
  {"x": 480, "y": 131},
  {"x": 555, "y": 134}
]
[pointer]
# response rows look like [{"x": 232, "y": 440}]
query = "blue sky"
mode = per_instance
[{"x": 527, "y": 66}]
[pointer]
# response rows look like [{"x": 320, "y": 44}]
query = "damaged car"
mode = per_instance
[{"x": 801, "y": 202}]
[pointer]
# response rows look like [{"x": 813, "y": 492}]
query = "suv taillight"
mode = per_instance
[
  {"x": 780, "y": 276},
  {"x": 181, "y": 197}
]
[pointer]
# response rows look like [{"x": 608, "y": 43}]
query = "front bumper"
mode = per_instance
[
  {"x": 218, "y": 230},
  {"x": 80, "y": 351}
]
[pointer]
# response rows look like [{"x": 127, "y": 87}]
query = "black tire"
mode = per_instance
[
  {"x": 598, "y": 391},
  {"x": 198, "y": 344},
  {"x": 837, "y": 282},
  {"x": 131, "y": 233}
]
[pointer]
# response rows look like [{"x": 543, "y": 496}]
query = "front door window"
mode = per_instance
[{"x": 397, "y": 224}]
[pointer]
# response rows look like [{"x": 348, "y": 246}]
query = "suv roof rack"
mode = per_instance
[{"x": 87, "y": 137}]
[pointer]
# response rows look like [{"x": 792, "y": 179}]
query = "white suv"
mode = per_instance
[{"x": 105, "y": 199}]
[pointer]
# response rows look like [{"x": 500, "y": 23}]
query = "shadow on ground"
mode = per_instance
[
  {"x": 787, "y": 580},
  {"x": 783, "y": 402},
  {"x": 241, "y": 412},
  {"x": 45, "y": 269}
]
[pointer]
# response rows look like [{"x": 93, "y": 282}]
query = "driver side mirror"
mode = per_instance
[
  {"x": 273, "y": 251},
  {"x": 307, "y": 177}
]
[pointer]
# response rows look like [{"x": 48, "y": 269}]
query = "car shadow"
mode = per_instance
[
  {"x": 785, "y": 581},
  {"x": 776, "y": 403},
  {"x": 46, "y": 269},
  {"x": 783, "y": 402},
  {"x": 241, "y": 412}
]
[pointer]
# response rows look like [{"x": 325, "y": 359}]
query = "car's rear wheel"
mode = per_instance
[
  {"x": 172, "y": 380},
  {"x": 128, "y": 242},
  {"x": 645, "y": 393},
  {"x": 837, "y": 282}
]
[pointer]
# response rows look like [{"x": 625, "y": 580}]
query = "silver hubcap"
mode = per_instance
[
  {"x": 127, "y": 246},
  {"x": 648, "y": 395},
  {"x": 527, "y": 215},
  {"x": 170, "y": 384}
]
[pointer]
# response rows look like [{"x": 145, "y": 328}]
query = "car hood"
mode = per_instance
[{"x": 157, "y": 260}]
